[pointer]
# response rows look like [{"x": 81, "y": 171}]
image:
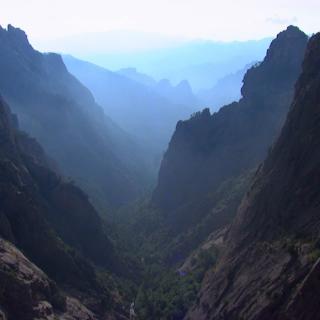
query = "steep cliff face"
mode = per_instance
[
  {"x": 25, "y": 289},
  {"x": 208, "y": 149},
  {"x": 56, "y": 109},
  {"x": 270, "y": 265},
  {"x": 49, "y": 219}
]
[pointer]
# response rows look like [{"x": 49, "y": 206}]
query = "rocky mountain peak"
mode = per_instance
[
  {"x": 15, "y": 36},
  {"x": 184, "y": 85},
  {"x": 283, "y": 59},
  {"x": 207, "y": 149},
  {"x": 285, "y": 41}
]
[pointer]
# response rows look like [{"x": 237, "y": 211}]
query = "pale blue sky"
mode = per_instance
[{"x": 210, "y": 19}]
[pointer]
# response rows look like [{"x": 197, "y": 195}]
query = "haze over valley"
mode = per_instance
[{"x": 159, "y": 160}]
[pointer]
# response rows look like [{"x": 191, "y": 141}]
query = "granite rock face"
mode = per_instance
[
  {"x": 270, "y": 265},
  {"x": 27, "y": 293}
]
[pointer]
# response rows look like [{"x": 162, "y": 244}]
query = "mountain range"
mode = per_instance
[
  {"x": 200, "y": 62},
  {"x": 225, "y": 91},
  {"x": 231, "y": 229}
]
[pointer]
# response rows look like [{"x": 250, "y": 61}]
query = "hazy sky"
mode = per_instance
[{"x": 210, "y": 19}]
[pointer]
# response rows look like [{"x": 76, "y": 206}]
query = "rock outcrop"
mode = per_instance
[
  {"x": 27, "y": 293},
  {"x": 270, "y": 265}
]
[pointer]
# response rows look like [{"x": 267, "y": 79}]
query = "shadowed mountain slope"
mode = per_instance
[
  {"x": 55, "y": 226},
  {"x": 38, "y": 207},
  {"x": 269, "y": 268},
  {"x": 56, "y": 109}
]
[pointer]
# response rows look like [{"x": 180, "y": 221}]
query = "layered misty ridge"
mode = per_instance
[
  {"x": 270, "y": 264},
  {"x": 148, "y": 110},
  {"x": 56, "y": 109},
  {"x": 202, "y": 63},
  {"x": 225, "y": 91},
  {"x": 219, "y": 92},
  {"x": 212, "y": 70}
]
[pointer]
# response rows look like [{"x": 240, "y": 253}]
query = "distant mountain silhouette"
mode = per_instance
[
  {"x": 201, "y": 63},
  {"x": 145, "y": 111},
  {"x": 135, "y": 75},
  {"x": 177, "y": 94},
  {"x": 225, "y": 91}
]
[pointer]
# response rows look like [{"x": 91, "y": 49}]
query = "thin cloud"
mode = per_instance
[{"x": 282, "y": 21}]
